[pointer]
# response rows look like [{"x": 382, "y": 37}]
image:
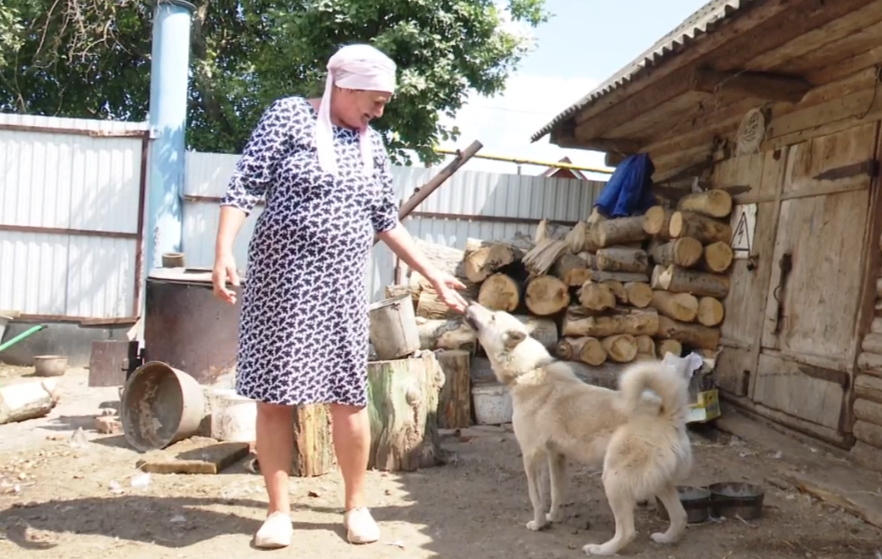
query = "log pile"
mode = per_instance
[{"x": 867, "y": 407}]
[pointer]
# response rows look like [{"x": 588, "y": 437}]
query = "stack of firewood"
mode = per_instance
[{"x": 654, "y": 283}]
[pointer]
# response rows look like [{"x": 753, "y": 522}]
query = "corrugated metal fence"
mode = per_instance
[
  {"x": 71, "y": 194},
  {"x": 470, "y": 204},
  {"x": 72, "y": 202}
]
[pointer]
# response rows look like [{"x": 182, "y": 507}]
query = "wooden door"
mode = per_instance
[
  {"x": 816, "y": 282},
  {"x": 749, "y": 275}
]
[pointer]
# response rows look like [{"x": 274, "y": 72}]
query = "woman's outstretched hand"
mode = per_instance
[{"x": 446, "y": 285}]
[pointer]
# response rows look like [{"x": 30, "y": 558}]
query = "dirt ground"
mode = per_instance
[{"x": 73, "y": 496}]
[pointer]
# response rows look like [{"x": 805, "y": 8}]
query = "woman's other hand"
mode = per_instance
[
  {"x": 225, "y": 270},
  {"x": 446, "y": 285}
]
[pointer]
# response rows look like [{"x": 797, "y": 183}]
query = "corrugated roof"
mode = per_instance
[{"x": 705, "y": 20}]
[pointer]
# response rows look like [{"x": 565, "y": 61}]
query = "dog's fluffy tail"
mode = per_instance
[{"x": 664, "y": 380}]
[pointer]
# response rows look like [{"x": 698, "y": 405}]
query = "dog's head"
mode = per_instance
[
  {"x": 685, "y": 366},
  {"x": 498, "y": 331},
  {"x": 507, "y": 341}
]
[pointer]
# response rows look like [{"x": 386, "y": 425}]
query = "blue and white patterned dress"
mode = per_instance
[{"x": 303, "y": 332}]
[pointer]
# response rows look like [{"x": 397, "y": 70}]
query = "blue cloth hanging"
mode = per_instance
[{"x": 629, "y": 190}]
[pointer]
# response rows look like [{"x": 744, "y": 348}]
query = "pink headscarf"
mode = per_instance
[{"x": 352, "y": 67}]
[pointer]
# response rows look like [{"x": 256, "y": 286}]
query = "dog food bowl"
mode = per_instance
[
  {"x": 50, "y": 365},
  {"x": 696, "y": 501},
  {"x": 735, "y": 498}
]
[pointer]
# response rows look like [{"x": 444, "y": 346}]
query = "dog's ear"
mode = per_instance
[{"x": 513, "y": 338}]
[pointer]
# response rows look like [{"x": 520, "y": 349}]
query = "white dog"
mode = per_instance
[{"x": 641, "y": 442}]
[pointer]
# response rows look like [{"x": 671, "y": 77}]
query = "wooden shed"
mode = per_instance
[{"x": 778, "y": 101}]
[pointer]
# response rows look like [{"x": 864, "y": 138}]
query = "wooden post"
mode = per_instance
[
  {"x": 455, "y": 401},
  {"x": 313, "y": 444}
]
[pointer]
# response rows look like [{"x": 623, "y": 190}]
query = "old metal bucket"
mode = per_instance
[
  {"x": 393, "y": 330},
  {"x": 161, "y": 405}
]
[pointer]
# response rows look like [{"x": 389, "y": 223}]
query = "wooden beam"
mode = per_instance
[
  {"x": 768, "y": 26},
  {"x": 563, "y": 138},
  {"x": 759, "y": 85},
  {"x": 612, "y": 159}
]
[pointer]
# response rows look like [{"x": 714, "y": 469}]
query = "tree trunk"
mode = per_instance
[
  {"x": 681, "y": 280},
  {"x": 679, "y": 306},
  {"x": 451, "y": 333},
  {"x": 500, "y": 292},
  {"x": 404, "y": 410},
  {"x": 712, "y": 203},
  {"x": 577, "y": 323},
  {"x": 395, "y": 290},
  {"x": 447, "y": 259},
  {"x": 572, "y": 269},
  {"x": 577, "y": 237},
  {"x": 585, "y": 349},
  {"x": 484, "y": 260},
  {"x": 685, "y": 252},
  {"x": 669, "y": 346},
  {"x": 313, "y": 443},
  {"x": 621, "y": 348},
  {"x": 645, "y": 347},
  {"x": 544, "y": 330},
  {"x": 693, "y": 335},
  {"x": 710, "y": 311},
  {"x": 28, "y": 400},
  {"x": 591, "y": 260},
  {"x": 546, "y": 295},
  {"x": 705, "y": 230},
  {"x": 619, "y": 231},
  {"x": 717, "y": 257},
  {"x": 657, "y": 221},
  {"x": 541, "y": 258},
  {"x": 596, "y": 297},
  {"x": 622, "y": 277},
  {"x": 639, "y": 294},
  {"x": 620, "y": 259},
  {"x": 455, "y": 400},
  {"x": 618, "y": 290}
]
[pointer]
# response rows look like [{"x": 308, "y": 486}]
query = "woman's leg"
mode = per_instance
[
  {"x": 275, "y": 445},
  {"x": 352, "y": 443}
]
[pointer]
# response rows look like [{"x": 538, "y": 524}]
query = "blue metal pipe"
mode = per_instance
[{"x": 169, "y": 82}]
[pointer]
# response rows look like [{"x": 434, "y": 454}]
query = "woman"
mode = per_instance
[{"x": 303, "y": 334}]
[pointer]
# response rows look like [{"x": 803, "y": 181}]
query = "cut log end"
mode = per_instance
[
  {"x": 656, "y": 222},
  {"x": 710, "y": 311},
  {"x": 596, "y": 297},
  {"x": 621, "y": 348},
  {"x": 546, "y": 295},
  {"x": 704, "y": 229},
  {"x": 718, "y": 257},
  {"x": 500, "y": 292}
]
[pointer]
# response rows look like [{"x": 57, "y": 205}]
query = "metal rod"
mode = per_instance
[
  {"x": 139, "y": 242},
  {"x": 27, "y": 333},
  {"x": 67, "y": 231},
  {"x": 520, "y": 161},
  {"x": 487, "y": 218},
  {"x": 420, "y": 194}
]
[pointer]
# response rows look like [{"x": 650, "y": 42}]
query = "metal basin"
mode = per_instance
[
  {"x": 160, "y": 405},
  {"x": 696, "y": 501},
  {"x": 732, "y": 499}
]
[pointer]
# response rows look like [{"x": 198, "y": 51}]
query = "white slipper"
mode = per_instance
[
  {"x": 360, "y": 526},
  {"x": 275, "y": 532}
]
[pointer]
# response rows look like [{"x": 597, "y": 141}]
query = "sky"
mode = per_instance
[{"x": 584, "y": 43}]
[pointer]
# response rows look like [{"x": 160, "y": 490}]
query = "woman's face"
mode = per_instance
[{"x": 357, "y": 107}]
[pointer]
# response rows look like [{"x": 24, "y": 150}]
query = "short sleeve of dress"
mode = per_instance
[
  {"x": 254, "y": 170},
  {"x": 384, "y": 213}
]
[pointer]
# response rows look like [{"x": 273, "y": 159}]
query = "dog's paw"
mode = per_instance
[
  {"x": 554, "y": 516},
  {"x": 535, "y": 526},
  {"x": 596, "y": 549},
  {"x": 661, "y": 537}
]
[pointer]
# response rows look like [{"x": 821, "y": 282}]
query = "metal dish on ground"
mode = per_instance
[
  {"x": 50, "y": 365},
  {"x": 696, "y": 501},
  {"x": 731, "y": 499}
]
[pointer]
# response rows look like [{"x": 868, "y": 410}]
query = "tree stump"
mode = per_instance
[
  {"x": 455, "y": 401},
  {"x": 403, "y": 399},
  {"x": 313, "y": 442}
]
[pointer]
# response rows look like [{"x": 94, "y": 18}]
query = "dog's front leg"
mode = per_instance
[
  {"x": 557, "y": 472},
  {"x": 532, "y": 467}
]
